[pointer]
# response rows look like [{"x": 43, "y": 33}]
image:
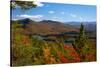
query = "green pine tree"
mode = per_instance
[{"x": 82, "y": 43}]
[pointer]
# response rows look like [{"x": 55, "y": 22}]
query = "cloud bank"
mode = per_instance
[{"x": 32, "y": 17}]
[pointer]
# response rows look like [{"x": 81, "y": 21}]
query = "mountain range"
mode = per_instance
[
  {"x": 52, "y": 27},
  {"x": 89, "y": 26}
]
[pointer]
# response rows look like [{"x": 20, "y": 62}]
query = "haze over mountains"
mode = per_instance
[{"x": 89, "y": 26}]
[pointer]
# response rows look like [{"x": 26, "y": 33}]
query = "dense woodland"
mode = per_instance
[{"x": 32, "y": 45}]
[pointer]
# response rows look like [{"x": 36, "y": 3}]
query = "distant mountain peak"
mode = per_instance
[
  {"x": 49, "y": 21},
  {"x": 26, "y": 20}
]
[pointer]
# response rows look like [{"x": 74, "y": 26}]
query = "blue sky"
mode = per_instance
[{"x": 57, "y": 12}]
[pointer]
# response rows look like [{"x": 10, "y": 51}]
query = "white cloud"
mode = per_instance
[
  {"x": 73, "y": 15},
  {"x": 62, "y": 12},
  {"x": 51, "y": 12},
  {"x": 81, "y": 18},
  {"x": 32, "y": 17},
  {"x": 55, "y": 18},
  {"x": 39, "y": 4},
  {"x": 76, "y": 16},
  {"x": 14, "y": 19}
]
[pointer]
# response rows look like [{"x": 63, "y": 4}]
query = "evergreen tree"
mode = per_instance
[
  {"x": 82, "y": 43},
  {"x": 82, "y": 37}
]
